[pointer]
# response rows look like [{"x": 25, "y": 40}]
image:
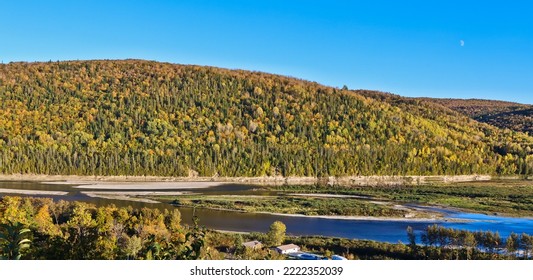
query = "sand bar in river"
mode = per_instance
[
  {"x": 143, "y": 185},
  {"x": 32, "y": 192}
]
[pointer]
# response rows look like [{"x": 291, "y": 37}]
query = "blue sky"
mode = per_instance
[{"x": 411, "y": 48}]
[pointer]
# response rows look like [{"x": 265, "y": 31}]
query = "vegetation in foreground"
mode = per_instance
[
  {"x": 37, "y": 228},
  {"x": 434, "y": 243},
  {"x": 146, "y": 118}
]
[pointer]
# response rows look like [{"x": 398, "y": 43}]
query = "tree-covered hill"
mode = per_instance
[
  {"x": 137, "y": 117},
  {"x": 514, "y": 116}
]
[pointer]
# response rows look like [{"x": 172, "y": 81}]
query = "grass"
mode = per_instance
[
  {"x": 290, "y": 205},
  {"x": 505, "y": 197}
]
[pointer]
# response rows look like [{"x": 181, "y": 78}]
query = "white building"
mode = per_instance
[{"x": 289, "y": 248}]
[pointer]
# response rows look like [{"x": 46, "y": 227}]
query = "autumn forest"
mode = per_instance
[{"x": 146, "y": 118}]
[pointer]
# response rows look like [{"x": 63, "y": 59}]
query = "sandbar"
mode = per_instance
[
  {"x": 146, "y": 185},
  {"x": 32, "y": 192}
]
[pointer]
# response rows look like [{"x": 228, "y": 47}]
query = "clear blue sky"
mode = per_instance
[{"x": 412, "y": 48}]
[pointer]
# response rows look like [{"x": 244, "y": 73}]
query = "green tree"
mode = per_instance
[
  {"x": 195, "y": 242},
  {"x": 14, "y": 240},
  {"x": 526, "y": 243},
  {"x": 469, "y": 241},
  {"x": 512, "y": 243},
  {"x": 411, "y": 236}
]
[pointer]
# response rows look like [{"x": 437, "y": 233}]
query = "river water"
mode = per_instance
[{"x": 387, "y": 231}]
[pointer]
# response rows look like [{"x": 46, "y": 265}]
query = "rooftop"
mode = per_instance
[
  {"x": 288, "y": 247},
  {"x": 253, "y": 243}
]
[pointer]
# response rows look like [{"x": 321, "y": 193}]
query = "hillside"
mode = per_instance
[
  {"x": 514, "y": 116},
  {"x": 137, "y": 117}
]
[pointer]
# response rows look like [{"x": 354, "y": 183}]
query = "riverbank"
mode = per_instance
[
  {"x": 137, "y": 196},
  {"x": 31, "y": 192},
  {"x": 496, "y": 197},
  {"x": 367, "y": 218},
  {"x": 265, "y": 180},
  {"x": 508, "y": 196},
  {"x": 435, "y": 218},
  {"x": 364, "y": 225},
  {"x": 94, "y": 185},
  {"x": 307, "y": 205}
]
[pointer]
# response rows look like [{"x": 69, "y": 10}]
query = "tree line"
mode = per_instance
[
  {"x": 146, "y": 118},
  {"x": 470, "y": 243}
]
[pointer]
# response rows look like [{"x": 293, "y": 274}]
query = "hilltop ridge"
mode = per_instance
[{"x": 502, "y": 114}]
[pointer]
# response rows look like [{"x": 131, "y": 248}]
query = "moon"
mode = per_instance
[{"x": 462, "y": 42}]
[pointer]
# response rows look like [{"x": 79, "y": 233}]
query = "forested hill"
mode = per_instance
[
  {"x": 515, "y": 116},
  {"x": 147, "y": 118}
]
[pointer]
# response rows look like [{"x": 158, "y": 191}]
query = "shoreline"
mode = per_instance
[
  {"x": 337, "y": 217},
  {"x": 154, "y": 183},
  {"x": 120, "y": 197},
  {"x": 130, "y": 186},
  {"x": 265, "y": 180},
  {"x": 31, "y": 192},
  {"x": 363, "y": 218}
]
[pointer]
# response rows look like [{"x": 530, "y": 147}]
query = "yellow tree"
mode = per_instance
[{"x": 276, "y": 233}]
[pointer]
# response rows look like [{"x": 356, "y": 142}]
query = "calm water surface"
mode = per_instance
[{"x": 388, "y": 231}]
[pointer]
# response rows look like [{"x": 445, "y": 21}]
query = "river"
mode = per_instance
[{"x": 386, "y": 231}]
